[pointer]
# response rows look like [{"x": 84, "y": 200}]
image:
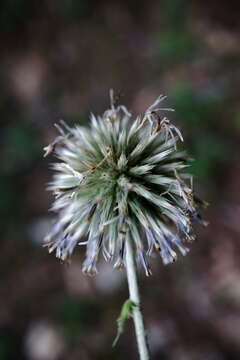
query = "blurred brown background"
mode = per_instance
[{"x": 58, "y": 60}]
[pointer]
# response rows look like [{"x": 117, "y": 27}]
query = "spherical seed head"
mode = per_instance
[{"x": 121, "y": 180}]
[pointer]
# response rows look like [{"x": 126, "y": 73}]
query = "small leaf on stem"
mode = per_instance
[{"x": 126, "y": 313}]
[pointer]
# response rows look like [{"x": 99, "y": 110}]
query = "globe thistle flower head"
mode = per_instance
[{"x": 121, "y": 179}]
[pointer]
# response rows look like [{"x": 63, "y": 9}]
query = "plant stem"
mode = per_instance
[{"x": 134, "y": 296}]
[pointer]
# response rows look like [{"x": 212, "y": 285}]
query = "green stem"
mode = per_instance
[{"x": 135, "y": 297}]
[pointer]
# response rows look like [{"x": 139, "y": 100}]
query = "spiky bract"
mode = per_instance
[{"x": 121, "y": 180}]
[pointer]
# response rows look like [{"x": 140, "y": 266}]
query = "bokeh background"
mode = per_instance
[{"x": 59, "y": 58}]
